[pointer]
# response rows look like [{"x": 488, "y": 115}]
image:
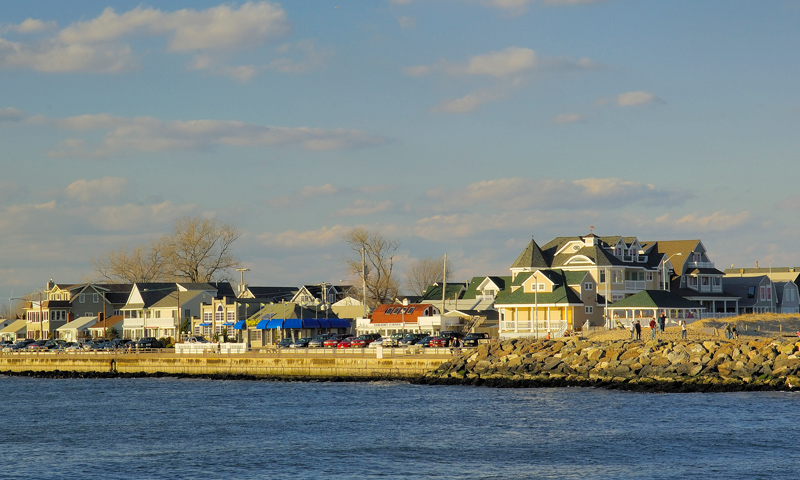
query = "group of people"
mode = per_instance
[
  {"x": 658, "y": 324},
  {"x": 730, "y": 331}
]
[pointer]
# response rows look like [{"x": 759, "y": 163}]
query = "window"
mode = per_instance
[
  {"x": 649, "y": 276},
  {"x": 410, "y": 309},
  {"x": 95, "y": 298},
  {"x": 762, "y": 293},
  {"x": 588, "y": 286},
  {"x": 589, "y": 310},
  {"x": 692, "y": 281},
  {"x": 751, "y": 291},
  {"x": 403, "y": 310},
  {"x": 769, "y": 293},
  {"x": 602, "y": 276},
  {"x": 81, "y": 298}
]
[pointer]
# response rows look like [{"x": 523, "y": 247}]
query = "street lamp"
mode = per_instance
[{"x": 664, "y": 269}]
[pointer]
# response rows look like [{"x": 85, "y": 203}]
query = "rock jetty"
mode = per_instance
[{"x": 655, "y": 365}]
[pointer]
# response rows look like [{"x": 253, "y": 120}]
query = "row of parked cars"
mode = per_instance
[
  {"x": 29, "y": 345},
  {"x": 444, "y": 339}
]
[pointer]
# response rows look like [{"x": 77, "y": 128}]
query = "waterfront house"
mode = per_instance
[
  {"x": 649, "y": 304},
  {"x": 112, "y": 323},
  {"x": 76, "y": 329},
  {"x": 276, "y": 321},
  {"x": 155, "y": 309},
  {"x": 787, "y": 297},
  {"x": 756, "y": 294},
  {"x": 15, "y": 331},
  {"x": 786, "y": 281}
]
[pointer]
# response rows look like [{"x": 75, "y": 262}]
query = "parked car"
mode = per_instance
[
  {"x": 37, "y": 345},
  {"x": 301, "y": 342},
  {"x": 54, "y": 344},
  {"x": 148, "y": 342},
  {"x": 410, "y": 339},
  {"x": 346, "y": 343},
  {"x": 391, "y": 340},
  {"x": 319, "y": 340},
  {"x": 364, "y": 340},
  {"x": 285, "y": 343},
  {"x": 21, "y": 345},
  {"x": 376, "y": 343},
  {"x": 425, "y": 341},
  {"x": 334, "y": 340},
  {"x": 473, "y": 339},
  {"x": 196, "y": 339},
  {"x": 72, "y": 347}
]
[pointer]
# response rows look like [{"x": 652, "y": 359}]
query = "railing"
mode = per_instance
[{"x": 635, "y": 285}]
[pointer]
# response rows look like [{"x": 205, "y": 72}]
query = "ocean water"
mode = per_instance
[{"x": 207, "y": 429}]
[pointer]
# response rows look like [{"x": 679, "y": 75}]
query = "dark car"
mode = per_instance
[
  {"x": 301, "y": 343},
  {"x": 285, "y": 343},
  {"x": 37, "y": 345},
  {"x": 334, "y": 340},
  {"x": 410, "y": 339},
  {"x": 445, "y": 339},
  {"x": 364, "y": 340},
  {"x": 425, "y": 341},
  {"x": 148, "y": 342},
  {"x": 473, "y": 339}
]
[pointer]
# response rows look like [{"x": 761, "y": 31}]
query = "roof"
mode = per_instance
[
  {"x": 531, "y": 257},
  {"x": 452, "y": 290},
  {"x": 78, "y": 323},
  {"x": 15, "y": 326},
  {"x": 656, "y": 299},
  {"x": 406, "y": 314},
  {"x": 288, "y": 310},
  {"x": 109, "y": 322}
]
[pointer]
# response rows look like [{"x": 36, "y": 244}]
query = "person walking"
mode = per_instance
[
  {"x": 734, "y": 332},
  {"x": 662, "y": 321},
  {"x": 683, "y": 329},
  {"x": 652, "y": 328},
  {"x": 638, "y": 330},
  {"x": 633, "y": 330}
]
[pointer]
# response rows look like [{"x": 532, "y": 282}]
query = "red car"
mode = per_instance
[
  {"x": 334, "y": 340},
  {"x": 346, "y": 343},
  {"x": 364, "y": 340},
  {"x": 444, "y": 339}
]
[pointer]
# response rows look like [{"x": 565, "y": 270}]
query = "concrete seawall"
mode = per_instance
[{"x": 289, "y": 366}]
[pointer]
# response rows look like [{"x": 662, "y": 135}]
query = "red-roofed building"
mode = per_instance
[{"x": 394, "y": 318}]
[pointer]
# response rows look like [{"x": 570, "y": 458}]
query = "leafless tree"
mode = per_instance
[
  {"x": 197, "y": 250},
  {"x": 141, "y": 264},
  {"x": 424, "y": 272},
  {"x": 381, "y": 284}
]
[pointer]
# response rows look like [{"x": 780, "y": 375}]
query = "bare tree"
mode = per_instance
[
  {"x": 141, "y": 264},
  {"x": 378, "y": 251},
  {"x": 197, "y": 250},
  {"x": 424, "y": 272}
]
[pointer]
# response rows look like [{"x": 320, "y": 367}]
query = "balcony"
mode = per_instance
[
  {"x": 636, "y": 285},
  {"x": 699, "y": 264}
]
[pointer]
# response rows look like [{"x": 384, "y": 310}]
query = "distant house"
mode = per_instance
[
  {"x": 756, "y": 294},
  {"x": 99, "y": 329},
  {"x": 398, "y": 318}
]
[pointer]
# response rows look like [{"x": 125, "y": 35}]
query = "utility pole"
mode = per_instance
[{"x": 364, "y": 279}]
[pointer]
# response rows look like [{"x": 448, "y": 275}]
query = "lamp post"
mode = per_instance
[{"x": 664, "y": 270}]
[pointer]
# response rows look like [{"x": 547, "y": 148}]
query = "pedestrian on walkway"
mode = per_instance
[
  {"x": 638, "y": 330},
  {"x": 633, "y": 330},
  {"x": 683, "y": 329},
  {"x": 652, "y": 328}
]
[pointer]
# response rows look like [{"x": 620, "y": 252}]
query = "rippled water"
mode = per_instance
[{"x": 184, "y": 428}]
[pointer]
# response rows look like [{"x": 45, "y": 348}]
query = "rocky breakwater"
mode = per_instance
[{"x": 655, "y": 365}]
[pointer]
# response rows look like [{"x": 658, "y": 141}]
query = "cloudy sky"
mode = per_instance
[{"x": 458, "y": 127}]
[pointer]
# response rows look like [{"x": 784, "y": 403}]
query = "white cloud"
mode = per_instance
[
  {"x": 91, "y": 190},
  {"x": 148, "y": 134},
  {"x": 632, "y": 99},
  {"x": 713, "y": 222},
  {"x": 319, "y": 191},
  {"x": 293, "y": 239},
  {"x": 407, "y": 22},
  {"x": 565, "y": 118},
  {"x": 466, "y": 104},
  {"x": 32, "y": 25},
  {"x": 364, "y": 207},
  {"x": 9, "y": 114},
  {"x": 97, "y": 45},
  {"x": 554, "y": 194}
]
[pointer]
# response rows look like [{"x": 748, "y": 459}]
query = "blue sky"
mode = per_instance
[{"x": 458, "y": 127}]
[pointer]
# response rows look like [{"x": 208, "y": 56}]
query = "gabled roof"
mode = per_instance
[
  {"x": 531, "y": 257},
  {"x": 452, "y": 291},
  {"x": 657, "y": 299},
  {"x": 272, "y": 293},
  {"x": 288, "y": 310}
]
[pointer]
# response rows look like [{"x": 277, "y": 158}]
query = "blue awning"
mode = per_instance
[
  {"x": 324, "y": 323},
  {"x": 205, "y": 324},
  {"x": 262, "y": 324},
  {"x": 301, "y": 323},
  {"x": 275, "y": 323},
  {"x": 227, "y": 324},
  {"x": 240, "y": 325},
  {"x": 339, "y": 323}
]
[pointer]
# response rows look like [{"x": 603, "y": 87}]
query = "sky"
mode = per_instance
[{"x": 455, "y": 127}]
